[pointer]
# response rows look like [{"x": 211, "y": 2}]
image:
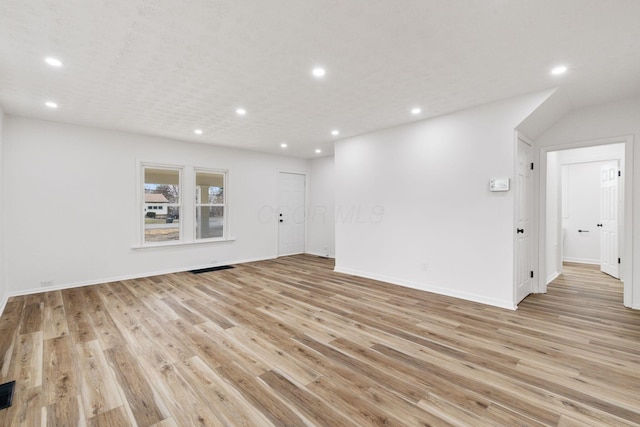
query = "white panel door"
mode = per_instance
[
  {"x": 291, "y": 217},
  {"x": 523, "y": 221},
  {"x": 609, "y": 219}
]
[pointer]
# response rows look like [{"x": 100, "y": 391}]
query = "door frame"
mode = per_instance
[
  {"x": 533, "y": 241},
  {"x": 277, "y": 208},
  {"x": 626, "y": 251}
]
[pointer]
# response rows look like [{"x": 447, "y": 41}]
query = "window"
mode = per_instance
[
  {"x": 210, "y": 204},
  {"x": 162, "y": 185},
  {"x": 181, "y": 204}
]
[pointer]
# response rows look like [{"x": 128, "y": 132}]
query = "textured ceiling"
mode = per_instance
[{"x": 166, "y": 67}]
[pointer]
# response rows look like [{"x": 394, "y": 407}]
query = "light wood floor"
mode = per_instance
[{"x": 290, "y": 343}]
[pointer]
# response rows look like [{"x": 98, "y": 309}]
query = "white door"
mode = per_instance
[
  {"x": 523, "y": 195},
  {"x": 291, "y": 216},
  {"x": 609, "y": 219}
]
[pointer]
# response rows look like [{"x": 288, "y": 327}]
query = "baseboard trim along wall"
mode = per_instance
[
  {"x": 321, "y": 255},
  {"x": 553, "y": 277},
  {"x": 3, "y": 304},
  {"x": 582, "y": 261},
  {"x": 509, "y": 305}
]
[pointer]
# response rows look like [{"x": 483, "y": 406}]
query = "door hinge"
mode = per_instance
[
  {"x": 531, "y": 274},
  {"x": 618, "y": 260},
  {"x": 531, "y": 166},
  {"x": 619, "y": 173}
]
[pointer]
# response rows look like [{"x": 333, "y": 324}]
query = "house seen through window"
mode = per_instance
[{"x": 162, "y": 204}]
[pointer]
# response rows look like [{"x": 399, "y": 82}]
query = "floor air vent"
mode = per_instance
[
  {"x": 206, "y": 270},
  {"x": 6, "y": 394}
]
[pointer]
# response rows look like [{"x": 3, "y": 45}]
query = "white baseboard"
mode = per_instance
[
  {"x": 553, "y": 277},
  {"x": 320, "y": 254},
  {"x": 582, "y": 261},
  {"x": 3, "y": 304},
  {"x": 509, "y": 305},
  {"x": 128, "y": 277}
]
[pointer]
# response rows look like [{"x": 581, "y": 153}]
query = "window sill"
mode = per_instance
[{"x": 180, "y": 244}]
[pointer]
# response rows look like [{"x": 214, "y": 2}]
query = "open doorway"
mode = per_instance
[{"x": 586, "y": 220}]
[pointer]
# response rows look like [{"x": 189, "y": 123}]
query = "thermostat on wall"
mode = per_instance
[{"x": 499, "y": 184}]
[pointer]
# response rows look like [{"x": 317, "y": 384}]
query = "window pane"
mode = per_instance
[
  {"x": 209, "y": 222},
  {"x": 209, "y": 188},
  {"x": 161, "y": 205},
  {"x": 162, "y": 229},
  {"x": 161, "y": 186}
]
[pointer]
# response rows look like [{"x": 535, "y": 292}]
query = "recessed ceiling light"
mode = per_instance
[
  {"x": 415, "y": 111},
  {"x": 283, "y": 145},
  {"x": 561, "y": 69},
  {"x": 51, "y": 104},
  {"x": 318, "y": 151},
  {"x": 335, "y": 132},
  {"x": 198, "y": 131},
  {"x": 54, "y": 62},
  {"x": 241, "y": 111},
  {"x": 318, "y": 72}
]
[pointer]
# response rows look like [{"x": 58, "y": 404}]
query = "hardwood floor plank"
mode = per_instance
[
  {"x": 258, "y": 395},
  {"x": 221, "y": 398},
  {"x": 274, "y": 357},
  {"x": 210, "y": 314},
  {"x": 354, "y": 402},
  {"x": 312, "y": 407},
  {"x": 407, "y": 390},
  {"x": 64, "y": 412},
  {"x": 27, "y": 410},
  {"x": 183, "y": 311},
  {"x": 98, "y": 389},
  {"x": 13, "y": 312},
  {"x": 146, "y": 406},
  {"x": 116, "y": 417},
  {"x": 55, "y": 318},
  {"x": 29, "y": 352},
  {"x": 8, "y": 342},
  {"x": 78, "y": 321},
  {"x": 59, "y": 376},
  {"x": 106, "y": 330},
  {"x": 34, "y": 317},
  {"x": 183, "y": 399}
]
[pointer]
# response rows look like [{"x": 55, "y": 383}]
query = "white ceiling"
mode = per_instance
[{"x": 166, "y": 67}]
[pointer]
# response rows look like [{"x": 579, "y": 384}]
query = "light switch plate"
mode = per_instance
[{"x": 499, "y": 184}]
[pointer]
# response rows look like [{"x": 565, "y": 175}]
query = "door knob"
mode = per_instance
[
  {"x": 281, "y": 220},
  {"x": 599, "y": 225},
  {"x": 520, "y": 230}
]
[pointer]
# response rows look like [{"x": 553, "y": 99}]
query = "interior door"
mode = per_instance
[
  {"x": 609, "y": 219},
  {"x": 523, "y": 283},
  {"x": 291, "y": 217}
]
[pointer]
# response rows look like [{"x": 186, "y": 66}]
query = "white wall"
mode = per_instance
[
  {"x": 3, "y": 283},
  {"x": 413, "y": 205},
  {"x": 320, "y": 215},
  {"x": 60, "y": 173},
  {"x": 611, "y": 122}
]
